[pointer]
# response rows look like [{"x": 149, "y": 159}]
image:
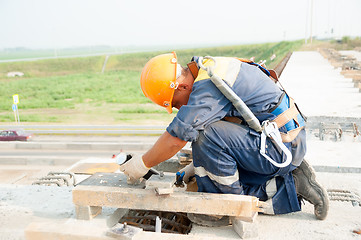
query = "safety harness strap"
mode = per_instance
[
  {"x": 274, "y": 75},
  {"x": 291, "y": 135},
  {"x": 268, "y": 129},
  {"x": 285, "y": 117},
  {"x": 233, "y": 120},
  {"x": 193, "y": 68},
  {"x": 290, "y": 114}
]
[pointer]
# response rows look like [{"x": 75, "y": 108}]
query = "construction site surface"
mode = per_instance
[{"x": 85, "y": 198}]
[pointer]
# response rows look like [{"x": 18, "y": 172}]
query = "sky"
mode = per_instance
[{"x": 76, "y": 23}]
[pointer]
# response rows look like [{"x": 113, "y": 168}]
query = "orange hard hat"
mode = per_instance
[{"x": 158, "y": 79}]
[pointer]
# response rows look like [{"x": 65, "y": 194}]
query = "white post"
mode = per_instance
[
  {"x": 17, "y": 111},
  {"x": 158, "y": 224},
  {"x": 105, "y": 63},
  {"x": 311, "y": 17},
  {"x": 306, "y": 25},
  {"x": 16, "y": 119}
]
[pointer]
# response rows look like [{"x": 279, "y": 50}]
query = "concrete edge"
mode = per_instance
[
  {"x": 76, "y": 145},
  {"x": 38, "y": 160}
]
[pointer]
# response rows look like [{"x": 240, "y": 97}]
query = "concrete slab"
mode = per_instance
[
  {"x": 38, "y": 160},
  {"x": 11, "y": 176},
  {"x": 337, "y": 154},
  {"x": 7, "y": 145},
  {"x": 318, "y": 88},
  {"x": 86, "y": 230},
  {"x": 25, "y": 174},
  {"x": 27, "y": 145}
]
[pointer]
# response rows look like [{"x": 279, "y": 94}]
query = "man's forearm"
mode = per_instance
[{"x": 165, "y": 147}]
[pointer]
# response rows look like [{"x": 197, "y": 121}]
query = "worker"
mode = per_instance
[{"x": 226, "y": 151}]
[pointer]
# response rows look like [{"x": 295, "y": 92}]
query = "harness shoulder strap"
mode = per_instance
[
  {"x": 269, "y": 72},
  {"x": 274, "y": 75},
  {"x": 286, "y": 116},
  {"x": 290, "y": 114}
]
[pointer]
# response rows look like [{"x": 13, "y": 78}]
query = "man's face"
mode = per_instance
[
  {"x": 181, "y": 97},
  {"x": 184, "y": 89}
]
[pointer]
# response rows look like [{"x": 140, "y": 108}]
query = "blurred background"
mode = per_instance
[{"x": 80, "y": 61}]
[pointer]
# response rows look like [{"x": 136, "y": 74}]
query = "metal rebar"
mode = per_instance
[
  {"x": 71, "y": 175},
  {"x": 172, "y": 222}
]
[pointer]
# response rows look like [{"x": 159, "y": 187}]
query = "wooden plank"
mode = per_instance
[
  {"x": 162, "y": 184},
  {"x": 241, "y": 206}
]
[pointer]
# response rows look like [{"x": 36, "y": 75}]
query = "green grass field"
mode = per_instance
[{"x": 73, "y": 90}]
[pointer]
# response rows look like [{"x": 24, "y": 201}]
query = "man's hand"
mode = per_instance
[
  {"x": 134, "y": 168},
  {"x": 188, "y": 172}
]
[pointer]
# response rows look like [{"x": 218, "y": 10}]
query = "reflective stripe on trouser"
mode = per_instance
[{"x": 227, "y": 160}]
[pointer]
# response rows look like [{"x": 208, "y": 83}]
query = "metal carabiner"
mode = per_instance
[
  {"x": 270, "y": 129},
  {"x": 208, "y": 69},
  {"x": 200, "y": 62}
]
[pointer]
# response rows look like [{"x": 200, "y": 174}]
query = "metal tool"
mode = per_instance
[
  {"x": 179, "y": 179},
  {"x": 123, "y": 231}
]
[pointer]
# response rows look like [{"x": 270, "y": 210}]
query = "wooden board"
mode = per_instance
[{"x": 241, "y": 206}]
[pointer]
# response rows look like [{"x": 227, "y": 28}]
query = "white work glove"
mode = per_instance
[
  {"x": 188, "y": 172},
  {"x": 134, "y": 168}
]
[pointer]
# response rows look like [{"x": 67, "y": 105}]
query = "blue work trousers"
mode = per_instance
[{"x": 227, "y": 159}]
